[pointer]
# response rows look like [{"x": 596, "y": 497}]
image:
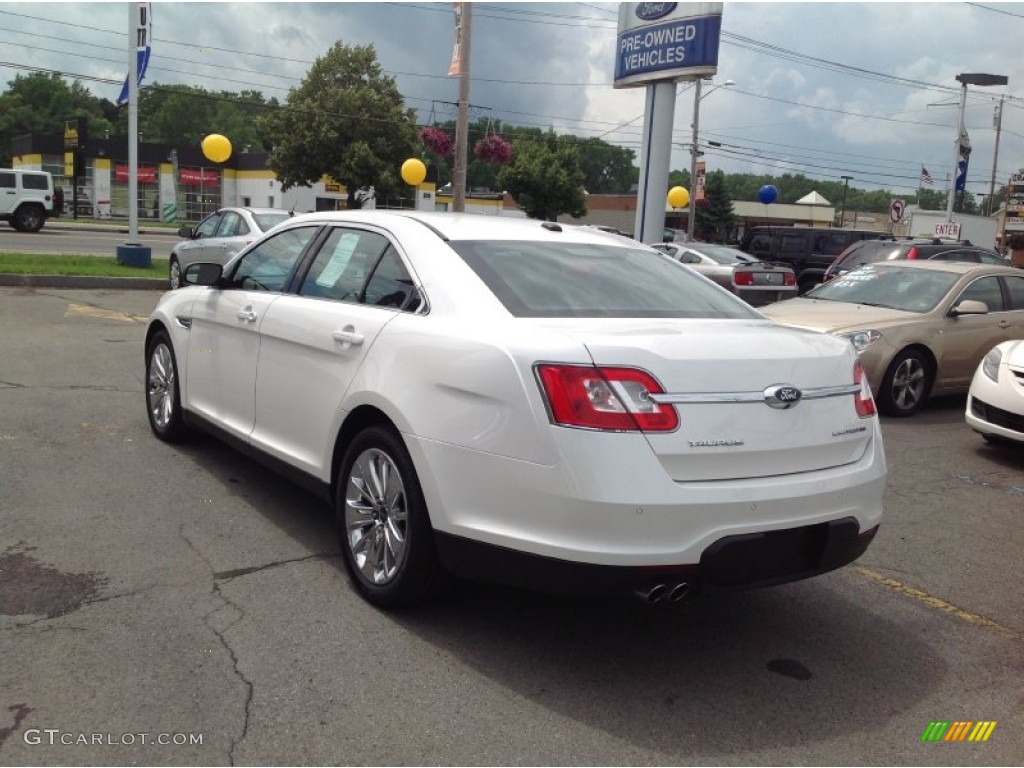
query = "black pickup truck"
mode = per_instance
[{"x": 808, "y": 250}]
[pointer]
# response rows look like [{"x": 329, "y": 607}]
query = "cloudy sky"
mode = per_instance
[{"x": 866, "y": 90}]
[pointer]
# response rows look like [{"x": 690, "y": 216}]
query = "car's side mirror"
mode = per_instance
[
  {"x": 204, "y": 273},
  {"x": 969, "y": 307},
  {"x": 185, "y": 232}
]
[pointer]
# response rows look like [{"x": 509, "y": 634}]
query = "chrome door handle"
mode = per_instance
[
  {"x": 349, "y": 337},
  {"x": 247, "y": 315}
]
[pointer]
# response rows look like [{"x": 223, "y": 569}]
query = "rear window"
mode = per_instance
[
  {"x": 869, "y": 252},
  {"x": 267, "y": 221},
  {"x": 534, "y": 279},
  {"x": 725, "y": 255},
  {"x": 35, "y": 181}
]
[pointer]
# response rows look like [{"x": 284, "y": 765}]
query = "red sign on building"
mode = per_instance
[
  {"x": 141, "y": 174},
  {"x": 207, "y": 178}
]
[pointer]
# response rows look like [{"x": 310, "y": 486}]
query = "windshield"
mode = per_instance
[
  {"x": 545, "y": 279},
  {"x": 725, "y": 255},
  {"x": 911, "y": 290},
  {"x": 267, "y": 221}
]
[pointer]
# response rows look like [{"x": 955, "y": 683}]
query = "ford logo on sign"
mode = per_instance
[
  {"x": 652, "y": 11},
  {"x": 782, "y": 396}
]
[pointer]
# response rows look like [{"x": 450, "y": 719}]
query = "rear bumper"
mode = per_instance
[{"x": 741, "y": 561}]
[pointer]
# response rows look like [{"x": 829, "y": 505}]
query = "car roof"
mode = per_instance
[
  {"x": 470, "y": 226},
  {"x": 960, "y": 267}
]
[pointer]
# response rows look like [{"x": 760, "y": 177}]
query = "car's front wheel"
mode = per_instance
[
  {"x": 386, "y": 538},
  {"x": 163, "y": 400},
  {"x": 174, "y": 273},
  {"x": 906, "y": 384}
]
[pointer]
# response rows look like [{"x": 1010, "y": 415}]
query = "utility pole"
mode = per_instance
[
  {"x": 842, "y": 209},
  {"x": 995, "y": 157},
  {"x": 462, "y": 120},
  {"x": 690, "y": 219}
]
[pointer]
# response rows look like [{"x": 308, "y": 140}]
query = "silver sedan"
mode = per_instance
[{"x": 755, "y": 281}]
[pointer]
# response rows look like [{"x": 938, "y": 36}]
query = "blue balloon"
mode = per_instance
[{"x": 767, "y": 194}]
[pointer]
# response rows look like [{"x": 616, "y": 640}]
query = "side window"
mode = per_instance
[
  {"x": 35, "y": 181},
  {"x": 689, "y": 258},
  {"x": 959, "y": 255},
  {"x": 984, "y": 289},
  {"x": 229, "y": 224},
  {"x": 343, "y": 263},
  {"x": 991, "y": 258},
  {"x": 6, "y": 180},
  {"x": 761, "y": 244},
  {"x": 208, "y": 225},
  {"x": 832, "y": 244},
  {"x": 268, "y": 266},
  {"x": 790, "y": 244},
  {"x": 390, "y": 285},
  {"x": 1015, "y": 285}
]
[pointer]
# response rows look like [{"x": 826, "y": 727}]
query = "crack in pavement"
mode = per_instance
[
  {"x": 235, "y": 573},
  {"x": 21, "y": 711},
  {"x": 220, "y": 633}
]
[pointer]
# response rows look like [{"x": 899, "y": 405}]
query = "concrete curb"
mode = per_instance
[
  {"x": 70, "y": 224},
  {"x": 83, "y": 281}
]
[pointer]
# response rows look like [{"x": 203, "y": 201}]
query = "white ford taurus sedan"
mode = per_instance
[{"x": 523, "y": 402}]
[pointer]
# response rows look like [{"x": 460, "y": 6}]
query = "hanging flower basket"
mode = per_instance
[
  {"x": 436, "y": 141},
  {"x": 493, "y": 149}
]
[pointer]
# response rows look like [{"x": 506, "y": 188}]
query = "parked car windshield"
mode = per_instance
[
  {"x": 725, "y": 255},
  {"x": 911, "y": 290},
  {"x": 267, "y": 221},
  {"x": 541, "y": 279}
]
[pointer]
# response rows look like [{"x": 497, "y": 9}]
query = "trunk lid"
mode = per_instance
[{"x": 703, "y": 363}]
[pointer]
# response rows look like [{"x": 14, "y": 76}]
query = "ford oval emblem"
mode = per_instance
[
  {"x": 652, "y": 11},
  {"x": 782, "y": 396}
]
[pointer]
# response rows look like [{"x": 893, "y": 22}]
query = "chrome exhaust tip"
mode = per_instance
[
  {"x": 652, "y": 594},
  {"x": 679, "y": 592}
]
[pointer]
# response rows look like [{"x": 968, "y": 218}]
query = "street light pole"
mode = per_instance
[
  {"x": 965, "y": 79},
  {"x": 842, "y": 210}
]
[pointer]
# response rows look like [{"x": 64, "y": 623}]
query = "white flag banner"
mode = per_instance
[{"x": 143, "y": 40}]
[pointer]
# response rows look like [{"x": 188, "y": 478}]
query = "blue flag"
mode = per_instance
[{"x": 144, "y": 34}]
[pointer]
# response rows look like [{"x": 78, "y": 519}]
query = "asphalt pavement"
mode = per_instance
[{"x": 149, "y": 589}]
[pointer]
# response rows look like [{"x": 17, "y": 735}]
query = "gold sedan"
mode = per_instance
[{"x": 921, "y": 327}]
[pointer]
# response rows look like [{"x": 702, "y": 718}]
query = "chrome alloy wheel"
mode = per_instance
[
  {"x": 175, "y": 275},
  {"x": 908, "y": 383},
  {"x": 161, "y": 389},
  {"x": 376, "y": 516}
]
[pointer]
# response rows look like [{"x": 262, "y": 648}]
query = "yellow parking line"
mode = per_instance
[
  {"x": 84, "y": 310},
  {"x": 936, "y": 602}
]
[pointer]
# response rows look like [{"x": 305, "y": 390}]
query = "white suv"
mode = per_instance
[{"x": 26, "y": 198}]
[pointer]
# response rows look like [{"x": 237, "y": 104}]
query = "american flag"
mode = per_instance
[{"x": 926, "y": 178}]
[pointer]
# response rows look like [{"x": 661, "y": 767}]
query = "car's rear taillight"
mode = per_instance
[
  {"x": 615, "y": 399},
  {"x": 912, "y": 253},
  {"x": 788, "y": 278},
  {"x": 863, "y": 399},
  {"x": 743, "y": 278}
]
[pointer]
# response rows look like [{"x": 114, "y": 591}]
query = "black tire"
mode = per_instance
[
  {"x": 174, "y": 273},
  {"x": 906, "y": 384},
  {"x": 387, "y": 544},
  {"x": 29, "y": 218},
  {"x": 163, "y": 396}
]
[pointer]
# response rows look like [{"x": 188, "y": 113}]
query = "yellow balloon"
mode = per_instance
[
  {"x": 216, "y": 148},
  {"x": 414, "y": 172},
  {"x": 678, "y": 197}
]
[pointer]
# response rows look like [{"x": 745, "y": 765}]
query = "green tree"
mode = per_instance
[
  {"x": 347, "y": 119},
  {"x": 545, "y": 179},
  {"x": 39, "y": 104},
  {"x": 607, "y": 169},
  {"x": 715, "y": 219}
]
